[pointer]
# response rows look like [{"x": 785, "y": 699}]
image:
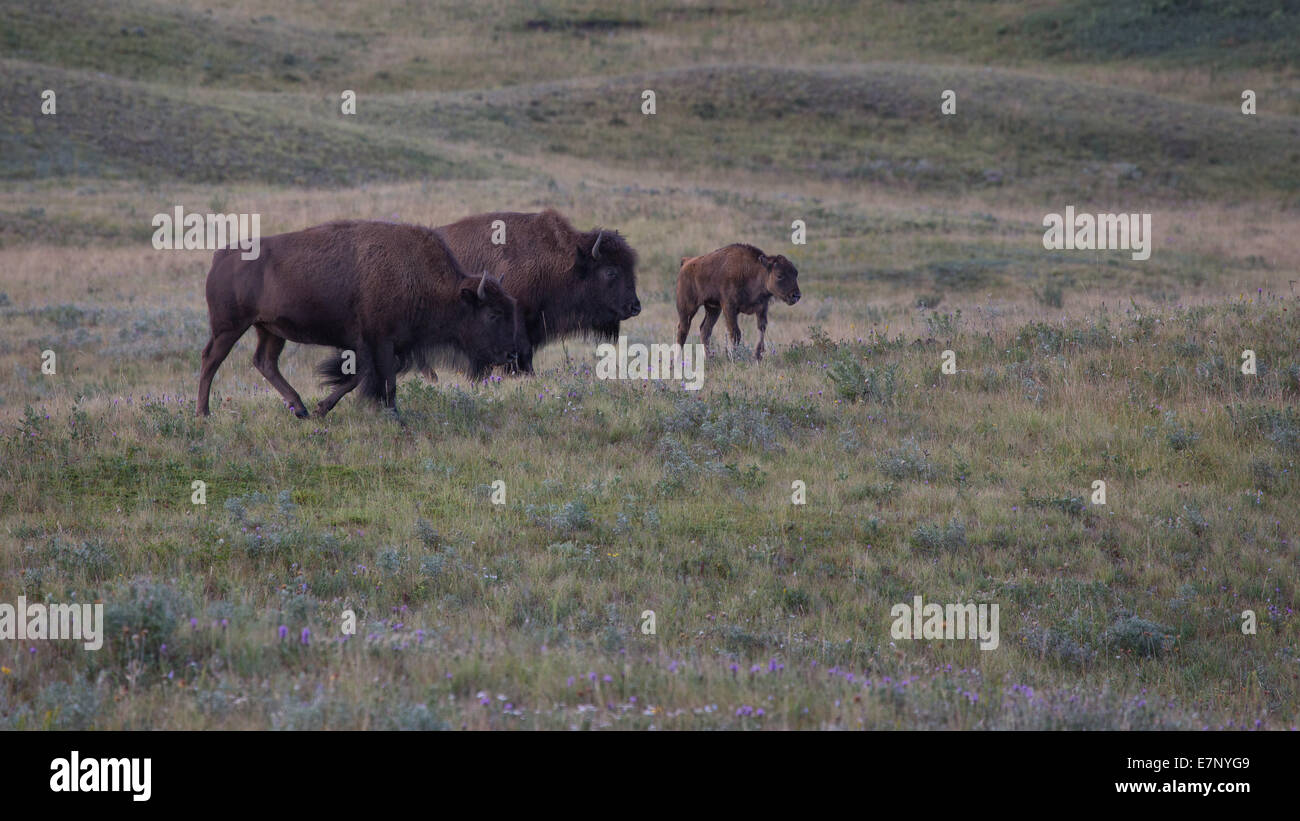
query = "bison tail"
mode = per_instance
[{"x": 331, "y": 371}]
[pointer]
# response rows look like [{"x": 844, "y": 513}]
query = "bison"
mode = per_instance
[
  {"x": 567, "y": 282},
  {"x": 393, "y": 295},
  {"x": 737, "y": 279}
]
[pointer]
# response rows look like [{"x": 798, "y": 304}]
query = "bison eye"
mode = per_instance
[{"x": 610, "y": 273}]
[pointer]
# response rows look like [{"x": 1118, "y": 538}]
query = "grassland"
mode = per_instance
[{"x": 924, "y": 236}]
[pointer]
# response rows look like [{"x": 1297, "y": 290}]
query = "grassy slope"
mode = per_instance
[
  {"x": 115, "y": 130},
  {"x": 882, "y": 124},
  {"x": 686, "y": 508},
  {"x": 1207, "y": 51}
]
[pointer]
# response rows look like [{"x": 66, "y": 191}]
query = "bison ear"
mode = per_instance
[{"x": 765, "y": 261}]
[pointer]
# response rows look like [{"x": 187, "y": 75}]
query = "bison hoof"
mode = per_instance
[
  {"x": 301, "y": 413},
  {"x": 321, "y": 410}
]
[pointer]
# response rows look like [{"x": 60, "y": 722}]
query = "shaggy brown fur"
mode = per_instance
[
  {"x": 737, "y": 279},
  {"x": 393, "y": 294},
  {"x": 567, "y": 282}
]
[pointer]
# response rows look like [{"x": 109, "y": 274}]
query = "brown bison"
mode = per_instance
[
  {"x": 738, "y": 279},
  {"x": 390, "y": 294},
  {"x": 567, "y": 282}
]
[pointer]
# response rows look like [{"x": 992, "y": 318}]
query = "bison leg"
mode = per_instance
[
  {"x": 214, "y": 353},
  {"x": 706, "y": 325},
  {"x": 523, "y": 365},
  {"x": 762, "y": 330},
  {"x": 386, "y": 374},
  {"x": 536, "y": 338},
  {"x": 685, "y": 316},
  {"x": 733, "y": 325},
  {"x": 267, "y": 361}
]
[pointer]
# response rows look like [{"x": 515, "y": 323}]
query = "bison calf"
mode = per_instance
[
  {"x": 737, "y": 279},
  {"x": 389, "y": 294}
]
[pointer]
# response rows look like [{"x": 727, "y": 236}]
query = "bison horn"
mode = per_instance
[
  {"x": 482, "y": 292},
  {"x": 595, "y": 249}
]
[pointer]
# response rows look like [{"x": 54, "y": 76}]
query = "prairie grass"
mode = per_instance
[{"x": 627, "y": 497}]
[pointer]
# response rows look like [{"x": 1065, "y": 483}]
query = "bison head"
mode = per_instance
[
  {"x": 606, "y": 272},
  {"x": 781, "y": 279},
  {"x": 492, "y": 331}
]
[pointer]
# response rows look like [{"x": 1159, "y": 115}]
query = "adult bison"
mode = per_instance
[
  {"x": 737, "y": 279},
  {"x": 567, "y": 282},
  {"x": 392, "y": 295}
]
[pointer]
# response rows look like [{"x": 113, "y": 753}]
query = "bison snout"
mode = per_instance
[
  {"x": 795, "y": 297},
  {"x": 632, "y": 309}
]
